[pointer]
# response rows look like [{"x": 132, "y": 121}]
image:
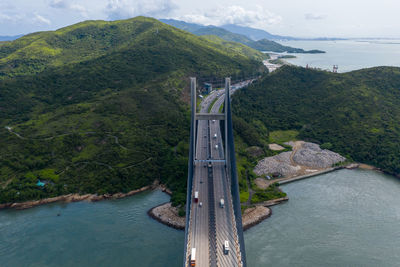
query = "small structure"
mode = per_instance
[{"x": 39, "y": 183}]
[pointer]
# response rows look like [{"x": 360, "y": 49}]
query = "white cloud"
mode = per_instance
[
  {"x": 258, "y": 18},
  {"x": 123, "y": 9},
  {"x": 67, "y": 4},
  {"x": 59, "y": 3},
  {"x": 311, "y": 16},
  {"x": 41, "y": 20},
  {"x": 81, "y": 9}
]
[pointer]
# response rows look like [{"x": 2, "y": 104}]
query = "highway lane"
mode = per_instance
[
  {"x": 199, "y": 232},
  {"x": 226, "y": 227},
  {"x": 205, "y": 234}
]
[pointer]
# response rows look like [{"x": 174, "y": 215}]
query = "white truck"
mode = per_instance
[
  {"x": 193, "y": 257},
  {"x": 221, "y": 203},
  {"x": 196, "y": 196},
  {"x": 226, "y": 247}
]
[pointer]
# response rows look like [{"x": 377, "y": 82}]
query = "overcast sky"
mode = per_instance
[{"x": 300, "y": 18}]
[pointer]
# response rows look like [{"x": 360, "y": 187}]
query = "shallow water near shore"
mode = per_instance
[
  {"x": 343, "y": 218},
  {"x": 106, "y": 233}
]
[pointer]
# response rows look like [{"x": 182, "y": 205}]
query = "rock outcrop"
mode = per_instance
[{"x": 311, "y": 155}]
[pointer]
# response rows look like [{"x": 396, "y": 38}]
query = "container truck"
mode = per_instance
[{"x": 193, "y": 257}]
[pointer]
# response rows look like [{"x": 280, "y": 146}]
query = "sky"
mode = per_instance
[{"x": 299, "y": 18}]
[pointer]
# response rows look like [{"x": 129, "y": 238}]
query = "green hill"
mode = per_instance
[
  {"x": 261, "y": 45},
  {"x": 356, "y": 114},
  {"x": 240, "y": 48},
  {"x": 267, "y": 45},
  {"x": 101, "y": 107}
]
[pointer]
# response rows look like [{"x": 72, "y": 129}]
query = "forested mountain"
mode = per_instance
[
  {"x": 101, "y": 107},
  {"x": 255, "y": 34},
  {"x": 261, "y": 45},
  {"x": 356, "y": 114}
]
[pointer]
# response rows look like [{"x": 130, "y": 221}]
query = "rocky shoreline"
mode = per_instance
[
  {"x": 168, "y": 215},
  {"x": 75, "y": 198}
]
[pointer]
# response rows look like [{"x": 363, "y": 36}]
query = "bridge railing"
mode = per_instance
[
  {"x": 190, "y": 172},
  {"x": 234, "y": 180}
]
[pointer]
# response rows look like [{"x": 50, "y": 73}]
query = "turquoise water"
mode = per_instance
[
  {"x": 107, "y": 233},
  {"x": 343, "y": 218},
  {"x": 348, "y": 55}
]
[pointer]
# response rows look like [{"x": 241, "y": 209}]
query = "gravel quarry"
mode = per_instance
[{"x": 305, "y": 158}]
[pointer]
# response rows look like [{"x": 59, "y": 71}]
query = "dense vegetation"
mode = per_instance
[
  {"x": 101, "y": 107},
  {"x": 356, "y": 114},
  {"x": 261, "y": 45}
]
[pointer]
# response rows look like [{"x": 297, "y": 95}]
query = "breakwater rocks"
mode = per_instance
[
  {"x": 255, "y": 215},
  {"x": 72, "y": 198},
  {"x": 168, "y": 215}
]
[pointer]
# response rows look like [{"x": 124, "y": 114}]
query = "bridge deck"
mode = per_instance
[{"x": 211, "y": 225}]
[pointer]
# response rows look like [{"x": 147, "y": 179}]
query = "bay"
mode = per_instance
[{"x": 347, "y": 54}]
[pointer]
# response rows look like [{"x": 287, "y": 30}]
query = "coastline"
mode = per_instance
[
  {"x": 252, "y": 216},
  {"x": 77, "y": 197},
  {"x": 168, "y": 215}
]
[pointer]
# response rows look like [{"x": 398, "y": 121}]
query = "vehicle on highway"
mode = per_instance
[
  {"x": 213, "y": 121},
  {"x": 215, "y": 136},
  {"x": 216, "y": 146},
  {"x": 196, "y": 196},
  {"x": 201, "y": 204},
  {"x": 193, "y": 257},
  {"x": 226, "y": 247},
  {"x": 221, "y": 203}
]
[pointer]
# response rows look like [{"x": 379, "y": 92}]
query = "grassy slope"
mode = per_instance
[
  {"x": 240, "y": 48},
  {"x": 355, "y": 113},
  {"x": 101, "y": 106}
]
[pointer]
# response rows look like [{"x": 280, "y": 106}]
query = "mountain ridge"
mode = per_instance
[
  {"x": 101, "y": 107},
  {"x": 261, "y": 44}
]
